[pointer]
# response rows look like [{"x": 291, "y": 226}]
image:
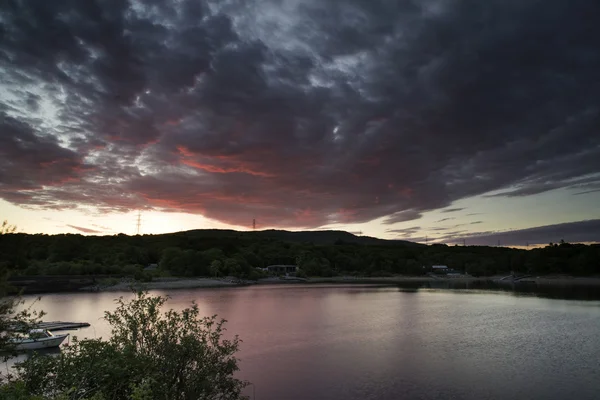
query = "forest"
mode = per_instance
[{"x": 318, "y": 253}]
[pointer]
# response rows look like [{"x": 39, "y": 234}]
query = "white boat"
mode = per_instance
[{"x": 38, "y": 339}]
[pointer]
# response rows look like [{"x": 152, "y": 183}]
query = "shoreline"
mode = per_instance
[
  {"x": 169, "y": 283},
  {"x": 408, "y": 281},
  {"x": 206, "y": 283}
]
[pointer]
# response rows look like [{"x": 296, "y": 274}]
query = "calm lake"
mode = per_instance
[{"x": 338, "y": 342}]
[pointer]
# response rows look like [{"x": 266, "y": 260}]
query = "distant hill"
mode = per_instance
[
  {"x": 321, "y": 253},
  {"x": 328, "y": 237},
  {"x": 324, "y": 237}
]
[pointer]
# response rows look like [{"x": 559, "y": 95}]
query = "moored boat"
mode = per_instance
[{"x": 38, "y": 339}]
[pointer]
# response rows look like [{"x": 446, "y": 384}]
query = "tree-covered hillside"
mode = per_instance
[{"x": 319, "y": 253}]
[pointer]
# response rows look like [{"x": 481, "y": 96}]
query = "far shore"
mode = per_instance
[
  {"x": 165, "y": 283},
  {"x": 66, "y": 284},
  {"x": 197, "y": 283}
]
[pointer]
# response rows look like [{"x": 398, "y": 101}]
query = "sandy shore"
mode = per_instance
[
  {"x": 192, "y": 283},
  {"x": 172, "y": 283}
]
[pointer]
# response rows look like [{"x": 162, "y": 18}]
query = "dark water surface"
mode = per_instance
[{"x": 365, "y": 342}]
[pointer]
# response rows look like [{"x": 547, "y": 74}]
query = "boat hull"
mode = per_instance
[{"x": 42, "y": 343}]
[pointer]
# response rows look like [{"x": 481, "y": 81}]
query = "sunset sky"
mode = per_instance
[{"x": 451, "y": 120}]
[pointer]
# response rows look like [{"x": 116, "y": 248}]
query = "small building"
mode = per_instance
[
  {"x": 444, "y": 270},
  {"x": 281, "y": 269}
]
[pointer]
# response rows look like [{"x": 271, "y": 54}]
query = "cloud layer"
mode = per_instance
[
  {"x": 572, "y": 232},
  {"x": 297, "y": 113}
]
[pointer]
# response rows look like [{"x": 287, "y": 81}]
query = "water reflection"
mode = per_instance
[
  {"x": 546, "y": 290},
  {"x": 428, "y": 341},
  {"x": 13, "y": 359}
]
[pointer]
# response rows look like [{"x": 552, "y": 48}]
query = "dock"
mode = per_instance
[{"x": 61, "y": 326}]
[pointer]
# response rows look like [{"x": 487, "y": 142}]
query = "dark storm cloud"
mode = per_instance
[
  {"x": 297, "y": 113},
  {"x": 29, "y": 161},
  {"x": 573, "y": 232}
]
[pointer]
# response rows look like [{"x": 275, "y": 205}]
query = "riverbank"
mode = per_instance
[
  {"x": 40, "y": 285},
  {"x": 165, "y": 283},
  {"x": 197, "y": 283},
  {"x": 409, "y": 281}
]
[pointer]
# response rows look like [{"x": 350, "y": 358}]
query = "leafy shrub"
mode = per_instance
[{"x": 170, "y": 355}]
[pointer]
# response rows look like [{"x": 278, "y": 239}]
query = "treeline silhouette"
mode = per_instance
[{"x": 318, "y": 253}]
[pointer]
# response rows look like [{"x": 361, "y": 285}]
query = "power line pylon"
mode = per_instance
[{"x": 139, "y": 223}]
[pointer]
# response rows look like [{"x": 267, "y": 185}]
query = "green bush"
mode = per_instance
[
  {"x": 108, "y": 282},
  {"x": 301, "y": 274},
  {"x": 151, "y": 354},
  {"x": 143, "y": 276}
]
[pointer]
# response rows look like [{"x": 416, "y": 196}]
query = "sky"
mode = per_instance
[{"x": 438, "y": 121}]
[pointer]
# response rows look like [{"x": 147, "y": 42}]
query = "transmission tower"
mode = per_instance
[
  {"x": 139, "y": 223},
  {"x": 254, "y": 224}
]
